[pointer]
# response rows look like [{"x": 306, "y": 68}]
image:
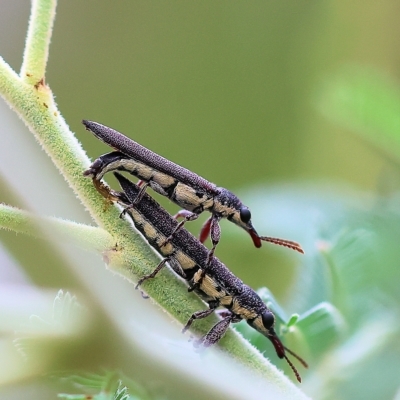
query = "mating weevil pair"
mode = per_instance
[
  {"x": 211, "y": 280},
  {"x": 205, "y": 274},
  {"x": 185, "y": 188}
]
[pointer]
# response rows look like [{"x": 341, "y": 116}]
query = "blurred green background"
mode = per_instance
[
  {"x": 294, "y": 106},
  {"x": 223, "y": 88}
]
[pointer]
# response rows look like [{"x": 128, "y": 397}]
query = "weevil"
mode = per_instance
[
  {"x": 185, "y": 188},
  {"x": 210, "y": 279}
]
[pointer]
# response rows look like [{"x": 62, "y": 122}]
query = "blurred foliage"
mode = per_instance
[
  {"x": 346, "y": 295},
  {"x": 64, "y": 321},
  {"x": 367, "y": 101},
  {"x": 108, "y": 386},
  {"x": 250, "y": 95}
]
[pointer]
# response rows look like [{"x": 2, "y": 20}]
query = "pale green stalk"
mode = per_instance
[
  {"x": 37, "y": 41},
  {"x": 87, "y": 237}
]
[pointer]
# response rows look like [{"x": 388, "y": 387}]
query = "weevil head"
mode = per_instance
[
  {"x": 264, "y": 323},
  {"x": 249, "y": 306},
  {"x": 229, "y": 206}
]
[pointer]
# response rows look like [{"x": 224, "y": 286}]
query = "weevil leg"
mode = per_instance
[
  {"x": 153, "y": 274},
  {"x": 105, "y": 191},
  {"x": 200, "y": 314},
  {"x": 144, "y": 295},
  {"x": 176, "y": 267},
  {"x": 223, "y": 313},
  {"x": 189, "y": 216},
  {"x": 215, "y": 333},
  {"x": 218, "y": 330},
  {"x": 205, "y": 230},
  {"x": 182, "y": 214},
  {"x": 137, "y": 199},
  {"x": 150, "y": 276},
  {"x": 140, "y": 195},
  {"x": 215, "y": 236}
]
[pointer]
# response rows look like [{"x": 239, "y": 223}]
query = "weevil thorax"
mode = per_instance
[
  {"x": 248, "y": 305},
  {"x": 227, "y": 205}
]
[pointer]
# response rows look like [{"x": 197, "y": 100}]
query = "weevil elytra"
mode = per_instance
[
  {"x": 185, "y": 188},
  {"x": 210, "y": 279}
]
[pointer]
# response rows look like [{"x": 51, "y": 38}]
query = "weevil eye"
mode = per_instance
[
  {"x": 245, "y": 215},
  {"x": 268, "y": 319}
]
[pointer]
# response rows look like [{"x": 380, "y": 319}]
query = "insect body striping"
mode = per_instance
[
  {"x": 149, "y": 212},
  {"x": 213, "y": 282},
  {"x": 185, "y": 188}
]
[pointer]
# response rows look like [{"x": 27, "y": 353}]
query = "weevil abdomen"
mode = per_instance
[
  {"x": 116, "y": 161},
  {"x": 208, "y": 285},
  {"x": 191, "y": 199},
  {"x": 185, "y": 196}
]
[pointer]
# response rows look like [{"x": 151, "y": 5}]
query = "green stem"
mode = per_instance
[
  {"x": 88, "y": 237},
  {"x": 37, "y": 41},
  {"x": 9, "y": 81}
]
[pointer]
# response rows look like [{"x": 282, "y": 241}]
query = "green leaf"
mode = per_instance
[{"x": 322, "y": 326}]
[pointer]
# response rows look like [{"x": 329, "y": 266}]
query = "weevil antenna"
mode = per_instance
[
  {"x": 280, "y": 351},
  {"x": 283, "y": 242},
  {"x": 293, "y": 368},
  {"x": 303, "y": 363}
]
